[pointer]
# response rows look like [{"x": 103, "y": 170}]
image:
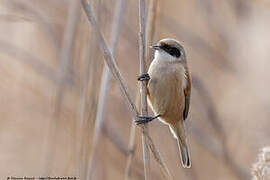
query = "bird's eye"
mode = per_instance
[{"x": 175, "y": 52}]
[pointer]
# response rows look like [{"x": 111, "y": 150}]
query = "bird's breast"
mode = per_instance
[{"x": 166, "y": 95}]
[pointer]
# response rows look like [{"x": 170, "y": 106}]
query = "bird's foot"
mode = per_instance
[
  {"x": 145, "y": 119},
  {"x": 144, "y": 77}
]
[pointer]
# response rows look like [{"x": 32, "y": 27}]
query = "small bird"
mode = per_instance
[{"x": 168, "y": 91}]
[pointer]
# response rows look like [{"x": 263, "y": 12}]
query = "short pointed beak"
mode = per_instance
[{"x": 156, "y": 47}]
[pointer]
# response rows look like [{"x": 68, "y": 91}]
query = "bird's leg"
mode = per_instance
[
  {"x": 145, "y": 119},
  {"x": 144, "y": 77}
]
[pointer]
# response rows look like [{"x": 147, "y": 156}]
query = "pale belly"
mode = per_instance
[{"x": 166, "y": 96}]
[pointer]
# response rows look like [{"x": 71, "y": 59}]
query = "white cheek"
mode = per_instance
[{"x": 162, "y": 55}]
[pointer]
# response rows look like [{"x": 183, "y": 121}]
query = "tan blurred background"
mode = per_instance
[{"x": 50, "y": 74}]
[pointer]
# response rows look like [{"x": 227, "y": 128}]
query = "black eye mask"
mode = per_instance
[{"x": 171, "y": 50}]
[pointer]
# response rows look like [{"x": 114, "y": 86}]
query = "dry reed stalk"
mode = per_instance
[
  {"x": 73, "y": 15},
  {"x": 65, "y": 54},
  {"x": 109, "y": 59},
  {"x": 150, "y": 27},
  {"x": 105, "y": 83},
  {"x": 131, "y": 151},
  {"x": 131, "y": 144},
  {"x": 89, "y": 104},
  {"x": 115, "y": 72},
  {"x": 164, "y": 170},
  {"x": 261, "y": 169},
  {"x": 143, "y": 87},
  {"x": 150, "y": 30},
  {"x": 116, "y": 138},
  {"x": 118, "y": 141},
  {"x": 89, "y": 72},
  {"x": 88, "y": 100}
]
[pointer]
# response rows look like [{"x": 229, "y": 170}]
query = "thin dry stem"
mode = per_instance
[
  {"x": 112, "y": 65},
  {"x": 110, "y": 59},
  {"x": 146, "y": 156},
  {"x": 150, "y": 31},
  {"x": 65, "y": 56},
  {"x": 105, "y": 83},
  {"x": 164, "y": 170},
  {"x": 86, "y": 107},
  {"x": 150, "y": 27},
  {"x": 131, "y": 145},
  {"x": 115, "y": 137},
  {"x": 88, "y": 102},
  {"x": 131, "y": 151}
]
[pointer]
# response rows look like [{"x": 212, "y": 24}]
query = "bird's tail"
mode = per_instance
[{"x": 178, "y": 130}]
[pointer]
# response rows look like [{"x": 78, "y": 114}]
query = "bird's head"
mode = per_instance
[{"x": 169, "y": 50}]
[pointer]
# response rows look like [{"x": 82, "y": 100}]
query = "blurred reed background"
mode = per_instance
[{"x": 51, "y": 71}]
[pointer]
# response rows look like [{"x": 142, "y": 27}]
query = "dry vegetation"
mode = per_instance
[
  {"x": 261, "y": 169},
  {"x": 53, "y": 121}
]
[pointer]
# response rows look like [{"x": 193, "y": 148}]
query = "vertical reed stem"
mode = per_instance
[
  {"x": 143, "y": 90},
  {"x": 105, "y": 83}
]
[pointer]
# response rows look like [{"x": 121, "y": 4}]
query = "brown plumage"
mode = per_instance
[{"x": 169, "y": 90}]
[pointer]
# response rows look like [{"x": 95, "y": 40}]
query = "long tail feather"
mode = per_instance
[
  {"x": 184, "y": 155},
  {"x": 178, "y": 131}
]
